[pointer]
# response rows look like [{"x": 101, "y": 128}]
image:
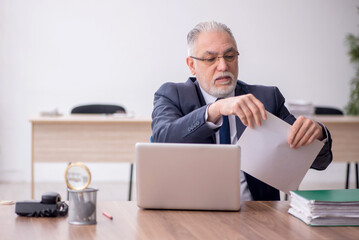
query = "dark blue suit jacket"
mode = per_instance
[{"x": 178, "y": 117}]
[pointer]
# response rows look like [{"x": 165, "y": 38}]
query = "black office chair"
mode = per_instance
[
  {"x": 104, "y": 109},
  {"x": 334, "y": 111},
  {"x": 98, "y": 109},
  {"x": 328, "y": 111}
]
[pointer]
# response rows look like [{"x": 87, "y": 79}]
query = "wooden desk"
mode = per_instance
[
  {"x": 256, "y": 220},
  {"x": 86, "y": 138},
  {"x": 345, "y": 134},
  {"x": 98, "y": 138}
]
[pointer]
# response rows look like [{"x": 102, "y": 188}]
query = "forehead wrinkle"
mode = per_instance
[
  {"x": 230, "y": 49},
  {"x": 210, "y": 53}
]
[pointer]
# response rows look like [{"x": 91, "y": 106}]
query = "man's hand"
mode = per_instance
[
  {"x": 303, "y": 132},
  {"x": 248, "y": 108}
]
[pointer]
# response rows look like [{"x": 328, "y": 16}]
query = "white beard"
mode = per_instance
[{"x": 222, "y": 92}]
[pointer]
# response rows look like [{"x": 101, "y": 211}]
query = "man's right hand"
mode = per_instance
[{"x": 247, "y": 107}]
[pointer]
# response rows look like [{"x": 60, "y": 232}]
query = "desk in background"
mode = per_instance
[
  {"x": 109, "y": 139},
  {"x": 345, "y": 135},
  {"x": 256, "y": 220},
  {"x": 86, "y": 138}
]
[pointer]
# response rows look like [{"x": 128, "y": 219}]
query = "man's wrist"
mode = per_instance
[
  {"x": 210, "y": 124},
  {"x": 324, "y": 132},
  {"x": 213, "y": 113}
]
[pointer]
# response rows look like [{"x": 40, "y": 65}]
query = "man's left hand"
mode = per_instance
[{"x": 303, "y": 132}]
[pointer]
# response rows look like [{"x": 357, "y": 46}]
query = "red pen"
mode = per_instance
[{"x": 107, "y": 215}]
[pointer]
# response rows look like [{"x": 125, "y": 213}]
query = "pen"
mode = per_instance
[{"x": 107, "y": 215}]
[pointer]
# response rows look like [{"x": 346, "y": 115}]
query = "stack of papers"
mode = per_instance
[
  {"x": 326, "y": 207},
  {"x": 301, "y": 108}
]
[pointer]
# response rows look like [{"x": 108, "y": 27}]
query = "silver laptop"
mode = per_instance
[{"x": 188, "y": 176}]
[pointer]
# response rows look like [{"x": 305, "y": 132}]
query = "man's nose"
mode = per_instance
[{"x": 222, "y": 64}]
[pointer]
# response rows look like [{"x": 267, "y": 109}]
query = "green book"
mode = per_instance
[
  {"x": 341, "y": 195},
  {"x": 326, "y": 207}
]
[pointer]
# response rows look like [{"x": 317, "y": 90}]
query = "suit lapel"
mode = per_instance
[
  {"x": 240, "y": 90},
  {"x": 199, "y": 93},
  {"x": 203, "y": 103}
]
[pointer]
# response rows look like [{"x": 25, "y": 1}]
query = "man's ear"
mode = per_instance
[{"x": 190, "y": 64}]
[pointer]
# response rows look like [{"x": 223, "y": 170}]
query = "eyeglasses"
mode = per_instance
[{"x": 228, "y": 57}]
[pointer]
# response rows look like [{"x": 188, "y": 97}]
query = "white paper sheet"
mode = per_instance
[{"x": 266, "y": 155}]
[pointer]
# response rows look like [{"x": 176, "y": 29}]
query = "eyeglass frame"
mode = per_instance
[{"x": 208, "y": 60}]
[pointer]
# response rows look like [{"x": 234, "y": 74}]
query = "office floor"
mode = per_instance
[{"x": 22, "y": 191}]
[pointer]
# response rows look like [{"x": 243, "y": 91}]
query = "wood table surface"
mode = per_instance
[{"x": 255, "y": 220}]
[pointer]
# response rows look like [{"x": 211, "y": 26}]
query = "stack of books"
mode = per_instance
[
  {"x": 326, "y": 207},
  {"x": 301, "y": 108}
]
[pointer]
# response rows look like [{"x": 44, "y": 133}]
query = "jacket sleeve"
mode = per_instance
[
  {"x": 325, "y": 155},
  {"x": 178, "y": 117}
]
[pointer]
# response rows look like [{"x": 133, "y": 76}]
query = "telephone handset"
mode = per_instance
[{"x": 50, "y": 206}]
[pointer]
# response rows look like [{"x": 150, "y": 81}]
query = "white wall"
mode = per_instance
[{"x": 57, "y": 54}]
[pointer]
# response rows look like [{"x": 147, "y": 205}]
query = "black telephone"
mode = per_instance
[{"x": 50, "y": 206}]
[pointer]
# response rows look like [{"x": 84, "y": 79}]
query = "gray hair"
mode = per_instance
[{"x": 205, "y": 27}]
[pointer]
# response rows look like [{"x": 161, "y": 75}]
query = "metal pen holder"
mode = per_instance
[{"x": 82, "y": 206}]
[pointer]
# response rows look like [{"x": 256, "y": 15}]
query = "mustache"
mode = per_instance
[{"x": 221, "y": 75}]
